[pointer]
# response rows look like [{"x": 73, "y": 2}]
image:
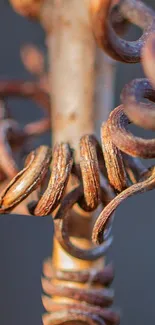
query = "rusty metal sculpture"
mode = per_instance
[{"x": 96, "y": 176}]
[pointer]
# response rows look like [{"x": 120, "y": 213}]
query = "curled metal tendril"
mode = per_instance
[
  {"x": 116, "y": 139},
  {"x": 106, "y": 20},
  {"x": 105, "y": 176},
  {"x": 91, "y": 306}
]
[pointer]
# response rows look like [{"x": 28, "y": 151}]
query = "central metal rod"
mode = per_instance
[
  {"x": 72, "y": 53},
  {"x": 72, "y": 64}
]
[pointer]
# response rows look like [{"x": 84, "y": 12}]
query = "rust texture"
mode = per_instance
[{"x": 85, "y": 176}]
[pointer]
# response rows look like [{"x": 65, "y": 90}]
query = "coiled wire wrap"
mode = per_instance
[
  {"x": 105, "y": 176},
  {"x": 92, "y": 304}
]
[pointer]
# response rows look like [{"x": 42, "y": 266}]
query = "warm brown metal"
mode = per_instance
[
  {"x": 89, "y": 177},
  {"x": 106, "y": 26},
  {"x": 72, "y": 80},
  {"x": 105, "y": 31}
]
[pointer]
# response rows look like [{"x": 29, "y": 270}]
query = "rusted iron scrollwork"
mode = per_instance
[{"x": 106, "y": 175}]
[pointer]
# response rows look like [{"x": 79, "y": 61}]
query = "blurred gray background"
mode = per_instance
[{"x": 26, "y": 241}]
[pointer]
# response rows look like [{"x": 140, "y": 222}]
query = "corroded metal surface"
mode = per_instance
[{"x": 104, "y": 176}]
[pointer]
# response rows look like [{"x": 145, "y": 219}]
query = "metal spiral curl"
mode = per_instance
[
  {"x": 106, "y": 175},
  {"x": 91, "y": 306},
  {"x": 88, "y": 194}
]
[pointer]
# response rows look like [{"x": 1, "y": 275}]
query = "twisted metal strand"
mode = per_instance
[
  {"x": 141, "y": 114},
  {"x": 61, "y": 168},
  {"x": 95, "y": 302},
  {"x": 90, "y": 173},
  {"x": 104, "y": 277},
  {"x": 106, "y": 35},
  {"x": 117, "y": 161},
  {"x": 71, "y": 316},
  {"x": 62, "y": 230},
  {"x": 96, "y": 307},
  {"x": 27, "y": 180},
  {"x": 133, "y": 146},
  {"x": 33, "y": 175},
  {"x": 101, "y": 297},
  {"x": 114, "y": 161},
  {"x": 125, "y": 141},
  {"x": 140, "y": 187}
]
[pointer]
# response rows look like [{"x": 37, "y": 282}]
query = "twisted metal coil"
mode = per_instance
[
  {"x": 105, "y": 176},
  {"x": 91, "y": 306}
]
